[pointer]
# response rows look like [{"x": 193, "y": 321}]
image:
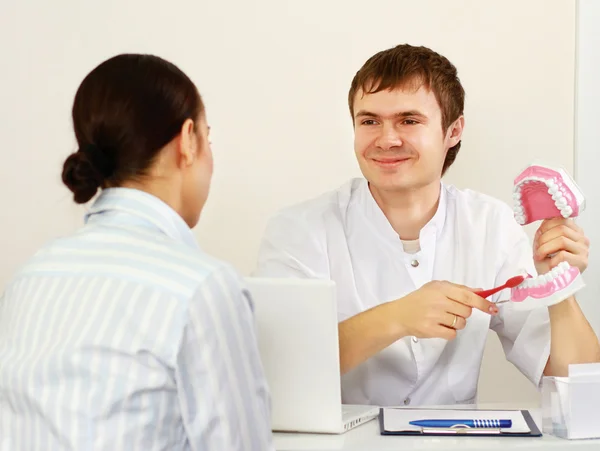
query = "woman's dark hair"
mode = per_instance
[{"x": 125, "y": 111}]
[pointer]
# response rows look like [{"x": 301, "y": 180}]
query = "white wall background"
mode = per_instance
[
  {"x": 275, "y": 75},
  {"x": 587, "y": 146}
]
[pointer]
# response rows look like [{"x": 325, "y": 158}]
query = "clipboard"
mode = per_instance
[{"x": 534, "y": 431}]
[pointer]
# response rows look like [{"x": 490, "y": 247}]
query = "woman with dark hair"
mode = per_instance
[{"x": 125, "y": 335}]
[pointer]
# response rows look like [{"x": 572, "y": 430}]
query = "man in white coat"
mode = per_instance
[{"x": 406, "y": 250}]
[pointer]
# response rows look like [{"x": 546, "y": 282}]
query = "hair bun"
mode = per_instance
[{"x": 84, "y": 172}]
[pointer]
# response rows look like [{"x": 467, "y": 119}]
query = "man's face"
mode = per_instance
[{"x": 398, "y": 138}]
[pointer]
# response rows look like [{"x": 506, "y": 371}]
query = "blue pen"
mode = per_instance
[{"x": 452, "y": 423}]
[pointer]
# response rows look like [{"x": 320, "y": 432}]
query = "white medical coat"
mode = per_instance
[{"x": 472, "y": 239}]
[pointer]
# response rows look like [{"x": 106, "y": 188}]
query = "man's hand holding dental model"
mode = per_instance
[
  {"x": 560, "y": 240},
  {"x": 556, "y": 241}
]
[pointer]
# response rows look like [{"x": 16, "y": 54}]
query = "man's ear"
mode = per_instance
[
  {"x": 187, "y": 143},
  {"x": 454, "y": 133}
]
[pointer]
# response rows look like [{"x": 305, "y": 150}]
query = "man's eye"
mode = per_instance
[
  {"x": 410, "y": 122},
  {"x": 368, "y": 122}
]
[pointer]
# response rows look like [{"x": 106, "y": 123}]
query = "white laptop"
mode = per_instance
[{"x": 298, "y": 342}]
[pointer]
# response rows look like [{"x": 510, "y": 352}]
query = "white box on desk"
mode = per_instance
[{"x": 571, "y": 405}]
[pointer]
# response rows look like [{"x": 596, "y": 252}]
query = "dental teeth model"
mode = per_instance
[
  {"x": 541, "y": 192},
  {"x": 547, "y": 289}
]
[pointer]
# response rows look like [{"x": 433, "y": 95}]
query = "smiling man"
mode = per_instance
[{"x": 407, "y": 250}]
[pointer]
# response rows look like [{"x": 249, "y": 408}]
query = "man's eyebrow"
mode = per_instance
[
  {"x": 365, "y": 113},
  {"x": 410, "y": 113}
]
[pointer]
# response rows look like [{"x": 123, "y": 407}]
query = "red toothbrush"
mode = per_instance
[{"x": 510, "y": 283}]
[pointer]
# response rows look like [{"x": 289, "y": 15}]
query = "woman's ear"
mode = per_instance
[{"x": 188, "y": 143}]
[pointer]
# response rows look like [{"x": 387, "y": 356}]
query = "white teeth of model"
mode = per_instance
[
  {"x": 519, "y": 210},
  {"x": 557, "y": 196},
  {"x": 517, "y": 194},
  {"x": 564, "y": 265},
  {"x": 550, "y": 183},
  {"x": 523, "y": 284},
  {"x": 561, "y": 203},
  {"x": 547, "y": 278},
  {"x": 555, "y": 272},
  {"x": 553, "y": 189},
  {"x": 533, "y": 283}
]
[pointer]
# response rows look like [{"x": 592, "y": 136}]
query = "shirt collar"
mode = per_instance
[
  {"x": 145, "y": 207},
  {"x": 374, "y": 214}
]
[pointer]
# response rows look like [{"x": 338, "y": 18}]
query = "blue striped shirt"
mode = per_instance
[{"x": 126, "y": 336}]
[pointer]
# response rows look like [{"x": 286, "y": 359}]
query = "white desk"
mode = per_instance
[{"x": 367, "y": 438}]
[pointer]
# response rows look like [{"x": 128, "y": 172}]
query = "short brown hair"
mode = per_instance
[{"x": 405, "y": 65}]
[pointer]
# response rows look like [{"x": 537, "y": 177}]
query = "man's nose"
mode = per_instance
[{"x": 388, "y": 138}]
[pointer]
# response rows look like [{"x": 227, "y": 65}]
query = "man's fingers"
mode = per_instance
[
  {"x": 580, "y": 261},
  {"x": 457, "y": 308},
  {"x": 561, "y": 230},
  {"x": 453, "y": 321},
  {"x": 482, "y": 304},
  {"x": 464, "y": 287},
  {"x": 469, "y": 298},
  {"x": 548, "y": 224},
  {"x": 445, "y": 332},
  {"x": 560, "y": 243}
]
